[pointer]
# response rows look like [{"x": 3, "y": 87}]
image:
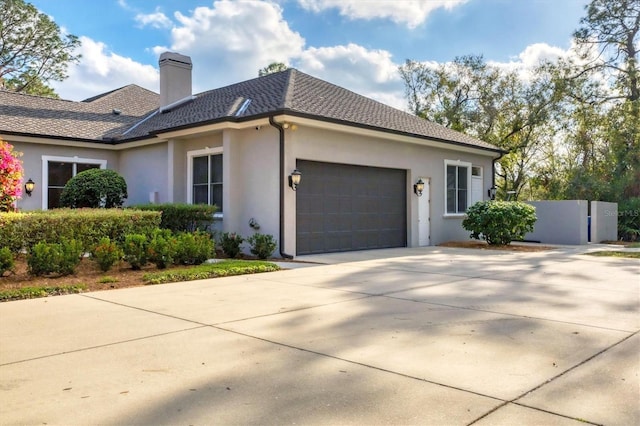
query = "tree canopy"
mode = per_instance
[
  {"x": 571, "y": 127},
  {"x": 33, "y": 49},
  {"x": 272, "y": 68}
]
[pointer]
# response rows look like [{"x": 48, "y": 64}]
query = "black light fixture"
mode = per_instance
[
  {"x": 29, "y": 186},
  {"x": 491, "y": 192},
  {"x": 294, "y": 179},
  {"x": 418, "y": 187}
]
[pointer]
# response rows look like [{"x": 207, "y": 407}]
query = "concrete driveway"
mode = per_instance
[{"x": 408, "y": 336}]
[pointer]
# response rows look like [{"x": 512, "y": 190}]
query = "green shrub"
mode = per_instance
[
  {"x": 54, "y": 258},
  {"x": 162, "y": 248},
  {"x": 135, "y": 250},
  {"x": 230, "y": 242},
  {"x": 106, "y": 254},
  {"x": 39, "y": 291},
  {"x": 499, "y": 222},
  {"x": 94, "y": 188},
  {"x": 262, "y": 245},
  {"x": 6, "y": 260},
  {"x": 183, "y": 217},
  {"x": 20, "y": 231},
  {"x": 225, "y": 268},
  {"x": 194, "y": 248},
  {"x": 629, "y": 219}
]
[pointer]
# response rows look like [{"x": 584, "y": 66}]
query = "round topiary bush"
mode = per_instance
[
  {"x": 499, "y": 222},
  {"x": 94, "y": 188}
]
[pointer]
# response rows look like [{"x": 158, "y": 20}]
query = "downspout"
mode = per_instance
[
  {"x": 493, "y": 168},
  {"x": 282, "y": 186}
]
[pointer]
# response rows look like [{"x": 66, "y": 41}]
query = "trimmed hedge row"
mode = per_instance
[
  {"x": 179, "y": 217},
  {"x": 21, "y": 231}
]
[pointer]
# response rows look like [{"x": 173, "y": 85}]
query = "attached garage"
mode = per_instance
[{"x": 342, "y": 207}]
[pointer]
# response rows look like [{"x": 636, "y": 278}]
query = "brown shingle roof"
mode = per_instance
[
  {"x": 288, "y": 92},
  {"x": 92, "y": 119},
  {"x": 294, "y": 92}
]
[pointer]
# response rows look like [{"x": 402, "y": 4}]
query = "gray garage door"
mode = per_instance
[{"x": 343, "y": 207}]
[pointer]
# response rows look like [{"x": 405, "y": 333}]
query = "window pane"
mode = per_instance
[
  {"x": 216, "y": 196},
  {"x": 82, "y": 167},
  {"x": 462, "y": 177},
  {"x": 451, "y": 201},
  {"x": 60, "y": 173},
  {"x": 53, "y": 198},
  {"x": 451, "y": 177},
  {"x": 200, "y": 194},
  {"x": 200, "y": 170},
  {"x": 462, "y": 201},
  {"x": 216, "y": 169}
]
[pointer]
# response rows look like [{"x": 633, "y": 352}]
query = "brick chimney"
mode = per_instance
[{"x": 175, "y": 77}]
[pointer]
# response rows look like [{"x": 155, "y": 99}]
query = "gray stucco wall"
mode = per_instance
[
  {"x": 32, "y": 164},
  {"x": 145, "y": 170},
  {"x": 560, "y": 222},
  {"x": 604, "y": 221},
  {"x": 308, "y": 143}
]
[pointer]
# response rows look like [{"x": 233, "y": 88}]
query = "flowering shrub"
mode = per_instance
[
  {"x": 10, "y": 177},
  {"x": 106, "y": 254},
  {"x": 231, "y": 244},
  {"x": 262, "y": 245}
]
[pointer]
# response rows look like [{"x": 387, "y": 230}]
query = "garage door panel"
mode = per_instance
[{"x": 343, "y": 207}]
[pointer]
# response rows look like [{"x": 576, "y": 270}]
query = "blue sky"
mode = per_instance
[{"x": 357, "y": 44}]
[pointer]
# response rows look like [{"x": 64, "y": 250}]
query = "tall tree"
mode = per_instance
[
  {"x": 609, "y": 41},
  {"x": 487, "y": 102},
  {"x": 33, "y": 49}
]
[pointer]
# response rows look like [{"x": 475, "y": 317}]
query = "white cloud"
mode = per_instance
[
  {"x": 232, "y": 40},
  {"x": 532, "y": 56},
  {"x": 409, "y": 12},
  {"x": 370, "y": 73},
  {"x": 156, "y": 20},
  {"x": 100, "y": 71}
]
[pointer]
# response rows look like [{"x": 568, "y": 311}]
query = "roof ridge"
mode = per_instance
[
  {"x": 105, "y": 95},
  {"x": 287, "y": 99},
  {"x": 47, "y": 98}
]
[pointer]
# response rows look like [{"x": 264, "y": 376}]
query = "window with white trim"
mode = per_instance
[
  {"x": 56, "y": 172},
  {"x": 205, "y": 177},
  {"x": 457, "y": 186}
]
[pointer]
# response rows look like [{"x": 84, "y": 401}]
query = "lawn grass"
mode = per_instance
[
  {"x": 612, "y": 253},
  {"x": 225, "y": 268},
  {"x": 39, "y": 291}
]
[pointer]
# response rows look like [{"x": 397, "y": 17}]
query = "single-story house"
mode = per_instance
[{"x": 239, "y": 146}]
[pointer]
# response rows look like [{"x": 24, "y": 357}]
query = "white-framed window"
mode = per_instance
[
  {"x": 457, "y": 178},
  {"x": 56, "y": 172},
  {"x": 204, "y": 177}
]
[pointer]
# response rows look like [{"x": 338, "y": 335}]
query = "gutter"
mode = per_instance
[{"x": 282, "y": 186}]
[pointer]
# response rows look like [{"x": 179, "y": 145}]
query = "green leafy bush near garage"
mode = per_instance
[{"x": 499, "y": 222}]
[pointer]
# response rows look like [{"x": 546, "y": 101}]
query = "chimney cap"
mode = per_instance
[{"x": 175, "y": 58}]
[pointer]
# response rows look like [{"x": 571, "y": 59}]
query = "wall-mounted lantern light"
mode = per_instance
[
  {"x": 418, "y": 187},
  {"x": 29, "y": 186},
  {"x": 491, "y": 192},
  {"x": 294, "y": 179}
]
